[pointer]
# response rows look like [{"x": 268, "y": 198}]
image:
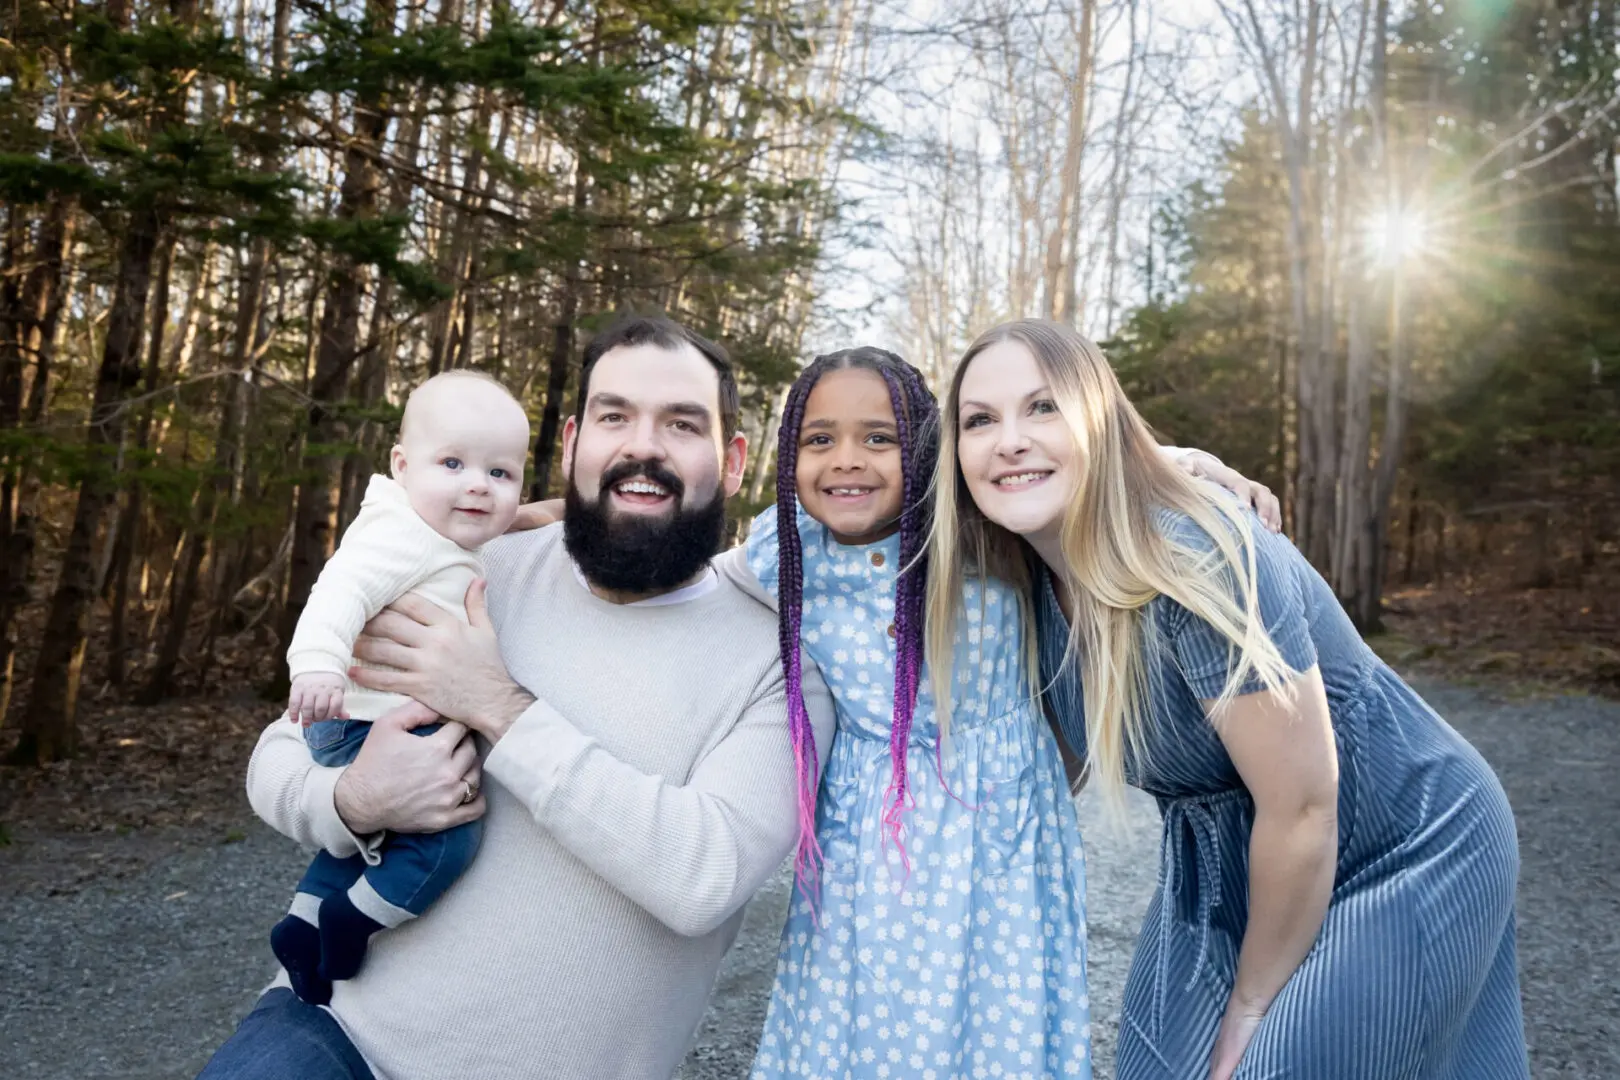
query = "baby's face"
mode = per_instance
[{"x": 461, "y": 462}]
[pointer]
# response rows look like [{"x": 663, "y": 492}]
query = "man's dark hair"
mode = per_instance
[{"x": 668, "y": 334}]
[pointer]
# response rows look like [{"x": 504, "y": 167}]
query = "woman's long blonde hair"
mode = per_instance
[{"x": 1117, "y": 557}]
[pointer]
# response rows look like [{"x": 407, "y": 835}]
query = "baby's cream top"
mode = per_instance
[{"x": 388, "y": 552}]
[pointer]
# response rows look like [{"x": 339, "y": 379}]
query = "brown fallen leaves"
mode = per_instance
[{"x": 1554, "y": 639}]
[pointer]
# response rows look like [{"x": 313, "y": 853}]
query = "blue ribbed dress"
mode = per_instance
[{"x": 1414, "y": 974}]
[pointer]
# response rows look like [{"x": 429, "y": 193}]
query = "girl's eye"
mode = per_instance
[
  {"x": 453, "y": 464},
  {"x": 818, "y": 440},
  {"x": 880, "y": 439}
]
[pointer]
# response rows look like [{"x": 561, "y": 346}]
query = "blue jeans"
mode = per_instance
[
  {"x": 285, "y": 1039},
  {"x": 416, "y": 868}
]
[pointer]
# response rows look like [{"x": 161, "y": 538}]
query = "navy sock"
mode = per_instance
[
  {"x": 345, "y": 930},
  {"x": 297, "y": 945}
]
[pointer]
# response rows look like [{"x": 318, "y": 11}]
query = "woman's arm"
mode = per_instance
[
  {"x": 1285, "y": 753},
  {"x": 537, "y": 515}
]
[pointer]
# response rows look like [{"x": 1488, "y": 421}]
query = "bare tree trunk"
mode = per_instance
[
  {"x": 199, "y": 540},
  {"x": 1351, "y": 494},
  {"x": 1063, "y": 240},
  {"x": 1119, "y": 175},
  {"x": 339, "y": 336},
  {"x": 48, "y": 729},
  {"x": 44, "y": 297},
  {"x": 562, "y": 357},
  {"x": 767, "y": 448},
  {"x": 129, "y": 520}
]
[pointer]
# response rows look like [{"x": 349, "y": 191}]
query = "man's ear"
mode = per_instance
[
  {"x": 396, "y": 462},
  {"x": 735, "y": 463},
  {"x": 570, "y": 433}
]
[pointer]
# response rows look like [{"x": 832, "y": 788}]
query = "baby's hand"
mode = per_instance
[{"x": 318, "y": 696}]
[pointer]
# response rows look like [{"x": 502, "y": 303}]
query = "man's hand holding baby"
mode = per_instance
[
  {"x": 410, "y": 783},
  {"x": 453, "y": 668}
]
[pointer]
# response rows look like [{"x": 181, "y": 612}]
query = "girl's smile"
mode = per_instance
[{"x": 849, "y": 468}]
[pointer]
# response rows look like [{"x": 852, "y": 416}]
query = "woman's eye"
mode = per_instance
[
  {"x": 453, "y": 464},
  {"x": 974, "y": 420},
  {"x": 1043, "y": 407}
]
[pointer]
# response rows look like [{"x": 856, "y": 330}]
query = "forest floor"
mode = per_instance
[{"x": 139, "y": 887}]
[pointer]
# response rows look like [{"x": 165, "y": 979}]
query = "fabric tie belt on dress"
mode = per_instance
[{"x": 1194, "y": 814}]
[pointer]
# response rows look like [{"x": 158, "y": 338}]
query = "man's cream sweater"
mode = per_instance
[{"x": 633, "y": 810}]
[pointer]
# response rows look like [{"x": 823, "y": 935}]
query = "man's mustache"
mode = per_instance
[{"x": 647, "y": 470}]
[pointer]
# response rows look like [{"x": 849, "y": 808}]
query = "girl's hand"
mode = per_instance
[
  {"x": 318, "y": 696},
  {"x": 1237, "y": 1031},
  {"x": 537, "y": 515}
]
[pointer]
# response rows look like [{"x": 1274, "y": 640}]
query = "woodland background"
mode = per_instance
[{"x": 1366, "y": 251}]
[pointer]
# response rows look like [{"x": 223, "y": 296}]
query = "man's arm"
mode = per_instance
[
  {"x": 691, "y": 854},
  {"x": 399, "y": 782},
  {"x": 1206, "y": 466},
  {"x": 294, "y": 796}
]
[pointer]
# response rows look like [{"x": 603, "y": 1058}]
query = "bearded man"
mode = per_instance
[{"x": 629, "y": 710}]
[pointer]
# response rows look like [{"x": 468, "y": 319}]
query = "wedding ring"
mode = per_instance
[{"x": 471, "y": 794}]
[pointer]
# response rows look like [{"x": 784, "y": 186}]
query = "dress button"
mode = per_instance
[
  {"x": 877, "y": 558},
  {"x": 891, "y": 629}
]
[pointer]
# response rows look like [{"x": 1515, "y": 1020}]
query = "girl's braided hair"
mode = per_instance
[{"x": 917, "y": 422}]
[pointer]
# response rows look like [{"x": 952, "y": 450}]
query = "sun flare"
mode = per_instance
[{"x": 1395, "y": 236}]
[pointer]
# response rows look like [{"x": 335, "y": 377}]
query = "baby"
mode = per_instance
[{"x": 457, "y": 480}]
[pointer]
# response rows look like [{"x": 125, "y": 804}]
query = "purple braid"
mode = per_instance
[
  {"x": 790, "y": 608},
  {"x": 917, "y": 423}
]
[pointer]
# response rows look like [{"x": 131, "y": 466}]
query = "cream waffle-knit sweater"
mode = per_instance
[{"x": 633, "y": 810}]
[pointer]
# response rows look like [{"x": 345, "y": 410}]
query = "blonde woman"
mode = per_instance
[{"x": 1338, "y": 865}]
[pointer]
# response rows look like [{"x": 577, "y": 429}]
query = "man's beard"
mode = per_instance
[{"x": 632, "y": 553}]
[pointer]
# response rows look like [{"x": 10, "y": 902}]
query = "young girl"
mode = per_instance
[{"x": 939, "y": 930}]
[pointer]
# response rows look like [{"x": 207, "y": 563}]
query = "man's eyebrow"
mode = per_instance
[
  {"x": 690, "y": 409},
  {"x": 686, "y": 408},
  {"x": 608, "y": 401}
]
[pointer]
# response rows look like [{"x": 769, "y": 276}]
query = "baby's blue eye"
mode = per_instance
[
  {"x": 453, "y": 464},
  {"x": 499, "y": 474}
]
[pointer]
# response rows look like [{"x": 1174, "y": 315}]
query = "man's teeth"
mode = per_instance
[
  {"x": 640, "y": 487},
  {"x": 1021, "y": 478}
]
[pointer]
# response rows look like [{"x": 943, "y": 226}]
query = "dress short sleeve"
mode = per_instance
[
  {"x": 1206, "y": 657},
  {"x": 764, "y": 552}
]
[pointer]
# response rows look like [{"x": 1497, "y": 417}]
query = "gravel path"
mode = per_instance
[{"x": 132, "y": 957}]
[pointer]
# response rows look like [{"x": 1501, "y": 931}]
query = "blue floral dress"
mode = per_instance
[{"x": 975, "y": 964}]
